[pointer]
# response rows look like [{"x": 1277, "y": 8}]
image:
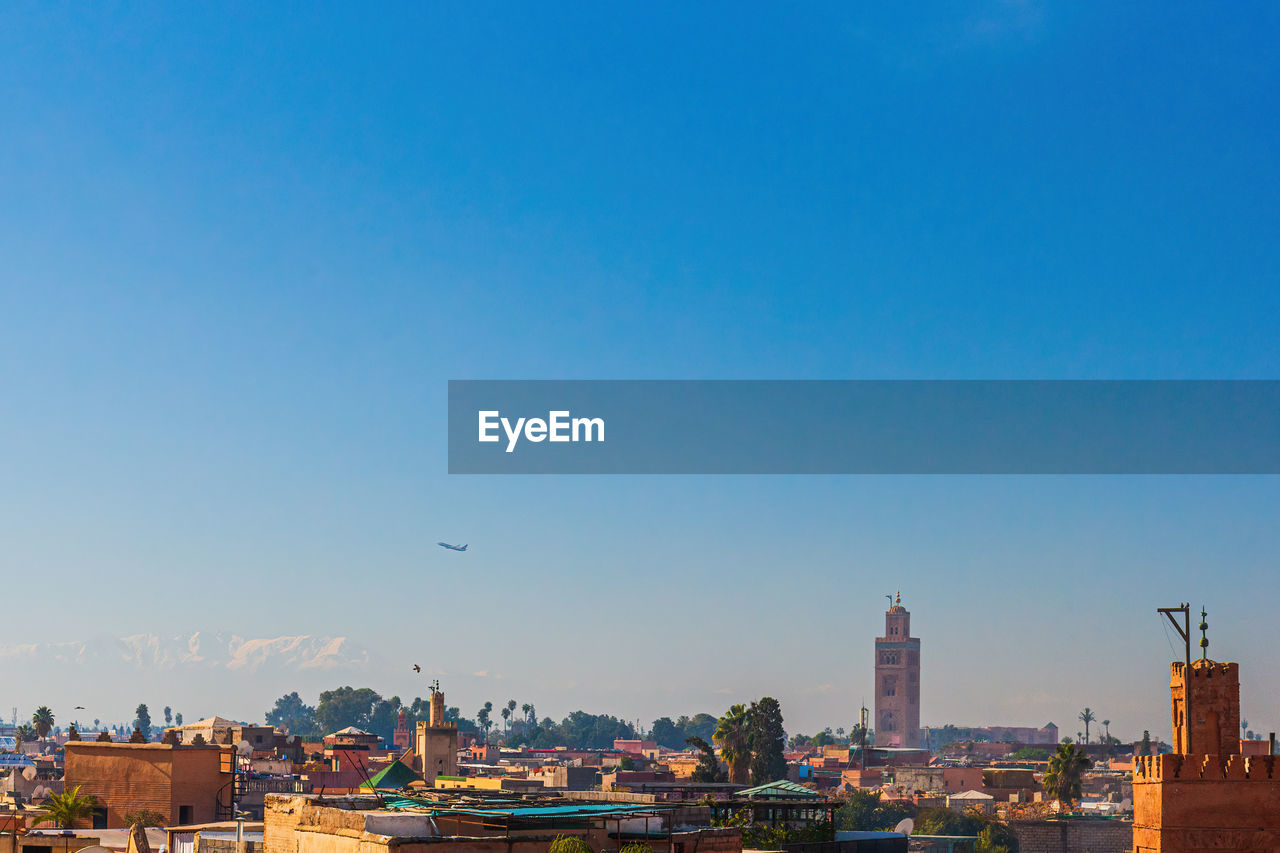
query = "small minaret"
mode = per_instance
[
  {"x": 1212, "y": 691},
  {"x": 436, "y": 741},
  {"x": 897, "y": 720}
]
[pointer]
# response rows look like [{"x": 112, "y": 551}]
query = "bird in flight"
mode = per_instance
[
  {"x": 79, "y": 708},
  {"x": 417, "y": 668},
  {"x": 452, "y": 547}
]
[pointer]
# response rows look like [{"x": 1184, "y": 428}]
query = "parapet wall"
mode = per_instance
[
  {"x": 1201, "y": 803},
  {"x": 1188, "y": 768}
]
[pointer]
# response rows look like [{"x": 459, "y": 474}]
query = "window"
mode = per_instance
[
  {"x": 185, "y": 816},
  {"x": 100, "y": 817}
]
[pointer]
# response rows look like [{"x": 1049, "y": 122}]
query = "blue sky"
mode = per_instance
[{"x": 243, "y": 249}]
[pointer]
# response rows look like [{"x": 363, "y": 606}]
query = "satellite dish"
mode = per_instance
[
  {"x": 906, "y": 826},
  {"x": 29, "y": 773},
  {"x": 39, "y": 794},
  {"x": 244, "y": 748},
  {"x": 95, "y": 848}
]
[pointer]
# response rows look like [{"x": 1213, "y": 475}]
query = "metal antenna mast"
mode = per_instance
[{"x": 1184, "y": 631}]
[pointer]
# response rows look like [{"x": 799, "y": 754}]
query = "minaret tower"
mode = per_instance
[{"x": 897, "y": 721}]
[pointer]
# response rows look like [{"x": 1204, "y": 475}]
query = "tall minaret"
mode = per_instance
[{"x": 897, "y": 721}]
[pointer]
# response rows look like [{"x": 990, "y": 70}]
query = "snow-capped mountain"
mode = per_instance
[{"x": 200, "y": 651}]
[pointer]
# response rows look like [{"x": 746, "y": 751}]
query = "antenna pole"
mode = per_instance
[{"x": 1184, "y": 631}]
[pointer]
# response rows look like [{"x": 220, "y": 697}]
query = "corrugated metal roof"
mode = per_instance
[{"x": 782, "y": 789}]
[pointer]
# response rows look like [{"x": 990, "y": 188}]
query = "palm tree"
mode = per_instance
[
  {"x": 1106, "y": 724},
  {"x": 506, "y": 719},
  {"x": 67, "y": 809},
  {"x": 511, "y": 713},
  {"x": 1062, "y": 781},
  {"x": 42, "y": 719},
  {"x": 731, "y": 736},
  {"x": 1087, "y": 717},
  {"x": 525, "y": 709},
  {"x": 24, "y": 734}
]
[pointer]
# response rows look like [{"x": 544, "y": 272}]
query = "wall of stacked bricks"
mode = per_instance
[
  {"x": 130, "y": 777},
  {"x": 1206, "y": 802},
  {"x": 1074, "y": 836}
]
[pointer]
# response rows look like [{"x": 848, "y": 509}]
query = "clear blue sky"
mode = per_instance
[{"x": 243, "y": 248}]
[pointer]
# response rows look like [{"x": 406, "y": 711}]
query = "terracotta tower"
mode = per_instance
[
  {"x": 897, "y": 721},
  {"x": 1214, "y": 692},
  {"x": 436, "y": 741}
]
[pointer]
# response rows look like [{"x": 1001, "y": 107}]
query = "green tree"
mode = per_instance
[
  {"x": 66, "y": 809},
  {"x": 708, "y": 769},
  {"x": 767, "y": 740},
  {"x": 145, "y": 818},
  {"x": 345, "y": 706},
  {"x": 177, "y": 719},
  {"x": 1087, "y": 717},
  {"x": 382, "y": 719},
  {"x": 1066, "y": 767},
  {"x": 1030, "y": 753},
  {"x": 483, "y": 720},
  {"x": 731, "y": 735},
  {"x": 168, "y": 716},
  {"x": 993, "y": 836},
  {"x": 142, "y": 719},
  {"x": 24, "y": 733},
  {"x": 665, "y": 733},
  {"x": 865, "y": 811},
  {"x": 293, "y": 715},
  {"x": 42, "y": 720}
]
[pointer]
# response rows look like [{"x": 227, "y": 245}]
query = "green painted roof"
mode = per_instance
[
  {"x": 780, "y": 790},
  {"x": 395, "y": 775}
]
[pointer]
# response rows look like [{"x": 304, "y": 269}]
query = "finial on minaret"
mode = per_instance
[
  {"x": 1204, "y": 634},
  {"x": 435, "y": 686},
  {"x": 897, "y": 599}
]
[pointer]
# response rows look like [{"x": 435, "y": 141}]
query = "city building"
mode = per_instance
[
  {"x": 188, "y": 784},
  {"x": 436, "y": 741},
  {"x": 402, "y": 738},
  {"x": 363, "y": 825},
  {"x": 1205, "y": 796},
  {"x": 897, "y": 712}
]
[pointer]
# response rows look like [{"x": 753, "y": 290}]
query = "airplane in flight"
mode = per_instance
[{"x": 452, "y": 547}]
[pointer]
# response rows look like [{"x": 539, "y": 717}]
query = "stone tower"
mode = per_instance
[
  {"x": 1214, "y": 692},
  {"x": 897, "y": 720},
  {"x": 436, "y": 741}
]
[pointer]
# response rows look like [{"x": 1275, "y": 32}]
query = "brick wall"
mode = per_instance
[
  {"x": 127, "y": 777},
  {"x": 1074, "y": 836}
]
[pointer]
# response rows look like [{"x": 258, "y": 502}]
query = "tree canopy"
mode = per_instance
[
  {"x": 675, "y": 734},
  {"x": 1066, "y": 767},
  {"x": 294, "y": 715},
  {"x": 767, "y": 740}
]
